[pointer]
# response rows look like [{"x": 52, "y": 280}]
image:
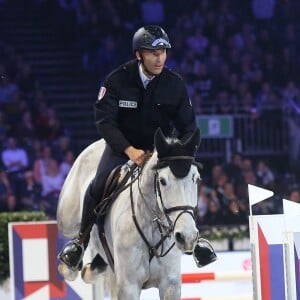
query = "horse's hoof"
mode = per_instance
[{"x": 67, "y": 273}]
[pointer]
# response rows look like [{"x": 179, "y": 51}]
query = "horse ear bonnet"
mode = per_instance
[{"x": 165, "y": 150}]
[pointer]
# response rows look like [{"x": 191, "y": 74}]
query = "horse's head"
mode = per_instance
[{"x": 176, "y": 181}]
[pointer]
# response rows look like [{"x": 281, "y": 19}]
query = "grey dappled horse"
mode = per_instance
[{"x": 150, "y": 224}]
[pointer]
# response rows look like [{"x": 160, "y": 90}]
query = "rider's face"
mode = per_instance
[{"x": 153, "y": 60}]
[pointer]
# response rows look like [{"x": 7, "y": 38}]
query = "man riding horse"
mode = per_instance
[{"x": 135, "y": 99}]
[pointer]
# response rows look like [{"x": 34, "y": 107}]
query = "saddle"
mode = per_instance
[{"x": 113, "y": 187}]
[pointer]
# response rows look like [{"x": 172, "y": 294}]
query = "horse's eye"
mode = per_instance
[{"x": 162, "y": 181}]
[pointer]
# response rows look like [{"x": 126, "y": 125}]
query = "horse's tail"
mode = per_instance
[{"x": 72, "y": 193}]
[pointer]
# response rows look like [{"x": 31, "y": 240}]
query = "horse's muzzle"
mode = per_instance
[{"x": 186, "y": 242}]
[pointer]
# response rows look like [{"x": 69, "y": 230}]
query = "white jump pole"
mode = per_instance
[
  {"x": 267, "y": 250},
  {"x": 275, "y": 244},
  {"x": 292, "y": 248}
]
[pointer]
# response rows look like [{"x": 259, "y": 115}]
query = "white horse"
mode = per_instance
[{"x": 155, "y": 212}]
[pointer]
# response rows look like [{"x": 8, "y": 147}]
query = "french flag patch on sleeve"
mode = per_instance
[{"x": 101, "y": 93}]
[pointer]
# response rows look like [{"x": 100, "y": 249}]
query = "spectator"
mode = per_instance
[
  {"x": 41, "y": 163},
  {"x": 289, "y": 67},
  {"x": 52, "y": 182},
  {"x": 26, "y": 81},
  {"x": 4, "y": 128},
  {"x": 291, "y": 93},
  {"x": 67, "y": 163},
  {"x": 7, "y": 201},
  {"x": 7, "y": 89},
  {"x": 270, "y": 69},
  {"x": 31, "y": 193},
  {"x": 153, "y": 12},
  {"x": 214, "y": 61},
  {"x": 216, "y": 174},
  {"x": 130, "y": 13},
  {"x": 265, "y": 177},
  {"x": 197, "y": 42},
  {"x": 52, "y": 179},
  {"x": 213, "y": 215},
  {"x": 14, "y": 158},
  {"x": 224, "y": 103},
  {"x": 26, "y": 130},
  {"x": 233, "y": 169},
  {"x": 61, "y": 146},
  {"x": 294, "y": 195},
  {"x": 48, "y": 123},
  {"x": 204, "y": 83},
  {"x": 205, "y": 195},
  {"x": 263, "y": 10},
  {"x": 228, "y": 194},
  {"x": 234, "y": 215},
  {"x": 203, "y": 200}
]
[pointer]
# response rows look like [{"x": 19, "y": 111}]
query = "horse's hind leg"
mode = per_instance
[{"x": 91, "y": 272}]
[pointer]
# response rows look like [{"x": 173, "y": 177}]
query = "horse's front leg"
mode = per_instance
[
  {"x": 170, "y": 288},
  {"x": 128, "y": 291},
  {"x": 130, "y": 275},
  {"x": 129, "y": 279}
]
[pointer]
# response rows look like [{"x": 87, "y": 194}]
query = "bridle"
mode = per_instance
[{"x": 164, "y": 229}]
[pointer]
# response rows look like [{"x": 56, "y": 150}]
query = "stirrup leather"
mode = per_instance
[
  {"x": 204, "y": 253},
  {"x": 72, "y": 254}
]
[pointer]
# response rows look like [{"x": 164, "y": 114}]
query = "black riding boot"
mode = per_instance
[
  {"x": 73, "y": 251},
  {"x": 204, "y": 253}
]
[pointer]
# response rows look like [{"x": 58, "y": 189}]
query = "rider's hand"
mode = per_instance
[{"x": 136, "y": 155}]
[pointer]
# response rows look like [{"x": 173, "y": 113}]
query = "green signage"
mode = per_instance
[{"x": 215, "y": 126}]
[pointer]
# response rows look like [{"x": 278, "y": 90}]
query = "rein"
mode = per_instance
[
  {"x": 164, "y": 230},
  {"x": 170, "y": 227},
  {"x": 152, "y": 249}
]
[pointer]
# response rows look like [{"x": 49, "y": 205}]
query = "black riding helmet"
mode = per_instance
[{"x": 151, "y": 37}]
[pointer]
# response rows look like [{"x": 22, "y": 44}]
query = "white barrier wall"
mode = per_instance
[
  {"x": 33, "y": 248},
  {"x": 267, "y": 256},
  {"x": 292, "y": 254},
  {"x": 275, "y": 250}
]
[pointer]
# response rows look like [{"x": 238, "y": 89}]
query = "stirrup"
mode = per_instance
[
  {"x": 204, "y": 253},
  {"x": 72, "y": 254}
]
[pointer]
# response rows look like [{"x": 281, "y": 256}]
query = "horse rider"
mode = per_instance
[{"x": 135, "y": 99}]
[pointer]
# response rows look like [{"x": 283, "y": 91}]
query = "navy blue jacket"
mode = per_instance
[{"x": 127, "y": 114}]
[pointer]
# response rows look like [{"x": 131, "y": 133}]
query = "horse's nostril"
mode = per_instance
[{"x": 179, "y": 238}]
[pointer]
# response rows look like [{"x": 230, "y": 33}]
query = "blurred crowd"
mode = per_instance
[
  {"x": 235, "y": 56},
  {"x": 35, "y": 149},
  {"x": 223, "y": 192}
]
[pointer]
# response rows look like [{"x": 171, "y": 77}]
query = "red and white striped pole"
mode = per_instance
[{"x": 217, "y": 276}]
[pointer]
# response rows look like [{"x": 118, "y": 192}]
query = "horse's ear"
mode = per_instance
[
  {"x": 160, "y": 143},
  {"x": 193, "y": 143}
]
